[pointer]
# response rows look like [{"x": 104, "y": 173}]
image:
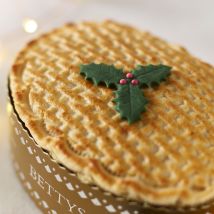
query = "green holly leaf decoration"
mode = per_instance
[
  {"x": 151, "y": 74},
  {"x": 130, "y": 100},
  {"x": 98, "y": 73}
]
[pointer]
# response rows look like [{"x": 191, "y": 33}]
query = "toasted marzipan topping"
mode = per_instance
[{"x": 166, "y": 158}]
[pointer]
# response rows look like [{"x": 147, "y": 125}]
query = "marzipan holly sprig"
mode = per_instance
[{"x": 130, "y": 100}]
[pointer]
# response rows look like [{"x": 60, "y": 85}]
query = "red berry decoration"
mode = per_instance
[
  {"x": 135, "y": 82},
  {"x": 129, "y": 75},
  {"x": 123, "y": 82}
]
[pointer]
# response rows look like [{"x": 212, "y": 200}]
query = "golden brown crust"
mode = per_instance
[{"x": 166, "y": 158}]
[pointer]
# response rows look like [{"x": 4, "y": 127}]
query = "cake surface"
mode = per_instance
[{"x": 166, "y": 158}]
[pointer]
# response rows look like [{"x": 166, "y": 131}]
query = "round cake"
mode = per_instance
[{"x": 164, "y": 156}]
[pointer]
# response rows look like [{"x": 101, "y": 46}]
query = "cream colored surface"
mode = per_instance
[{"x": 185, "y": 22}]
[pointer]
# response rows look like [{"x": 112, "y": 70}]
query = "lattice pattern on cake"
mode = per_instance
[{"x": 166, "y": 158}]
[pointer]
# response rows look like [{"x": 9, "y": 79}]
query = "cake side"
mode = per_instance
[{"x": 166, "y": 158}]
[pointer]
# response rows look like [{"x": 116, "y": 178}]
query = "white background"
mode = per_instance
[{"x": 186, "y": 22}]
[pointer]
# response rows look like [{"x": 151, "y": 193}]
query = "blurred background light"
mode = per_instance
[
  {"x": 29, "y": 25},
  {"x": 1, "y": 57},
  {"x": 9, "y": 109},
  {"x": 2, "y": 53}
]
